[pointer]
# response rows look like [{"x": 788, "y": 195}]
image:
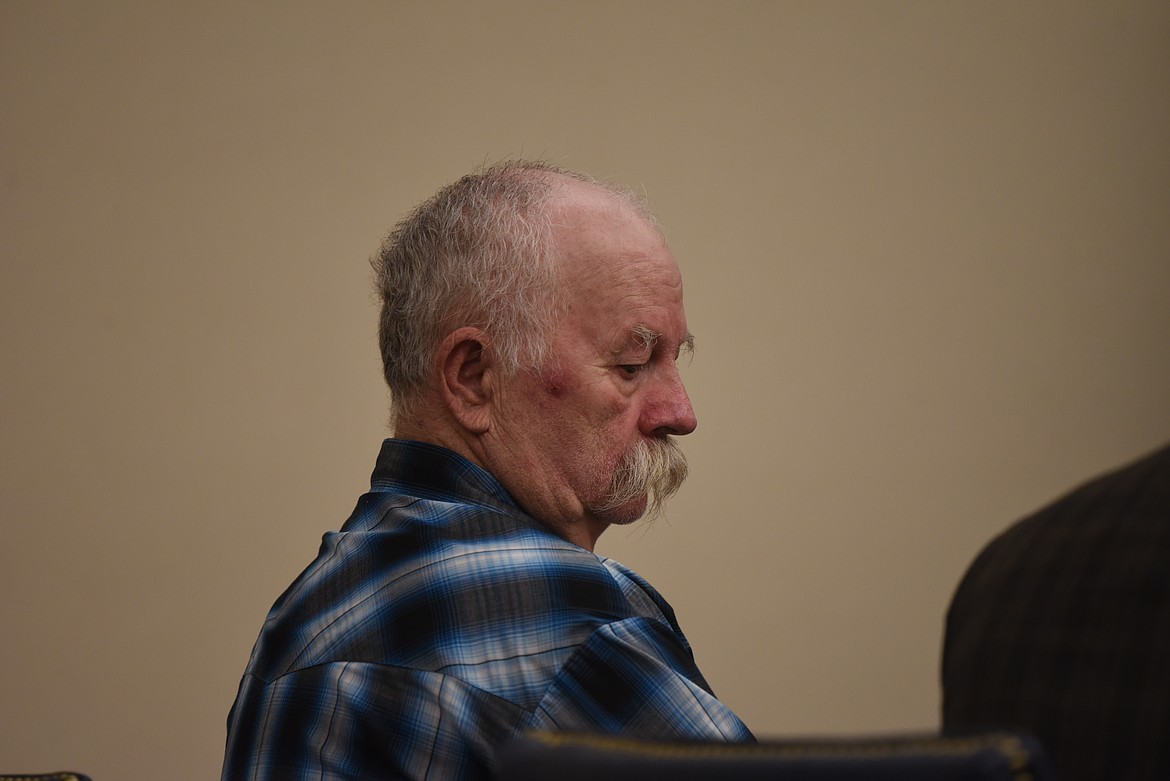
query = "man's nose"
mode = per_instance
[{"x": 670, "y": 410}]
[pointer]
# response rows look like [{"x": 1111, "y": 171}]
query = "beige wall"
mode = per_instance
[{"x": 927, "y": 252}]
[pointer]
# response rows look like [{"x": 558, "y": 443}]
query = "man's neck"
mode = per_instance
[{"x": 582, "y": 532}]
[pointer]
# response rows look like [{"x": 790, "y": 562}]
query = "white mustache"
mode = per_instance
[{"x": 654, "y": 468}]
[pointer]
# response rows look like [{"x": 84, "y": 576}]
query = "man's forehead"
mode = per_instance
[{"x": 593, "y": 211}]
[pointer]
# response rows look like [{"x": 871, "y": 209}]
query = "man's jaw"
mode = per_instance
[{"x": 649, "y": 474}]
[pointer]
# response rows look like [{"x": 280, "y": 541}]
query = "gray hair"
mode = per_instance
[{"x": 477, "y": 253}]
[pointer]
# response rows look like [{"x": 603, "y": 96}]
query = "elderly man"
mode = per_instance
[{"x": 531, "y": 323}]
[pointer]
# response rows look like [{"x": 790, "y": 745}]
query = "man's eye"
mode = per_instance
[{"x": 630, "y": 369}]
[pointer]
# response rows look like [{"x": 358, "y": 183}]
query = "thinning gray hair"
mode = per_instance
[{"x": 477, "y": 253}]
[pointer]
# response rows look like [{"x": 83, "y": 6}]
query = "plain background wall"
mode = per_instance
[{"x": 927, "y": 258}]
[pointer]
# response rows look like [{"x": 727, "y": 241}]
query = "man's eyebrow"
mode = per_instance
[{"x": 646, "y": 338}]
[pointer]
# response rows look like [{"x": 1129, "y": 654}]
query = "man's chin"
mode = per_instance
[{"x": 624, "y": 514}]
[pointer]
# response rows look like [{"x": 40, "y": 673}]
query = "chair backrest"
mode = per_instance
[{"x": 998, "y": 756}]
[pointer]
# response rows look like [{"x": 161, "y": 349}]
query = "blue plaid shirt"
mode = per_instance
[{"x": 440, "y": 622}]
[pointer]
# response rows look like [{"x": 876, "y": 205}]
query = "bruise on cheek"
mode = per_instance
[{"x": 554, "y": 383}]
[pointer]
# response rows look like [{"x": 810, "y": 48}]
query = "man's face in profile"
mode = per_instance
[{"x": 610, "y": 386}]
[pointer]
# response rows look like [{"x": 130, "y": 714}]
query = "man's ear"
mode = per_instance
[{"x": 465, "y": 363}]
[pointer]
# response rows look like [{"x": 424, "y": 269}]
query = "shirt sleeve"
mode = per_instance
[
  {"x": 350, "y": 720},
  {"x": 636, "y": 678}
]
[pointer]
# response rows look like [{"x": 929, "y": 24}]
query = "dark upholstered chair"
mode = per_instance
[
  {"x": 999, "y": 756},
  {"x": 62, "y": 776}
]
